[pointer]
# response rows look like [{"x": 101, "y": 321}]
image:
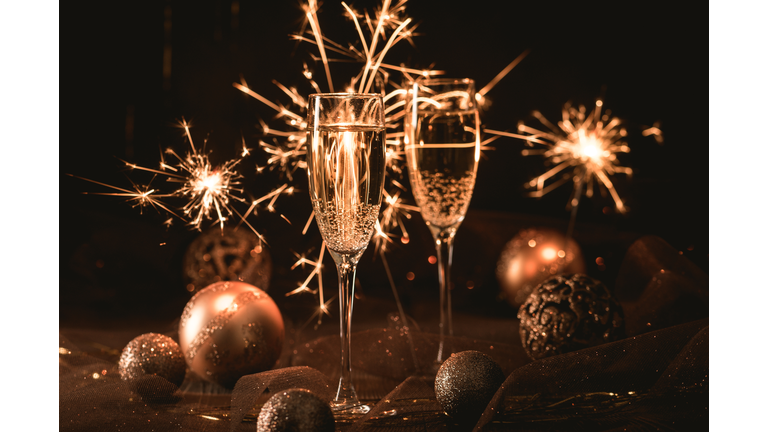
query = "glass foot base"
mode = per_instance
[{"x": 349, "y": 407}]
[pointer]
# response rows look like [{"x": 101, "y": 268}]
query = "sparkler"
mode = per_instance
[
  {"x": 387, "y": 26},
  {"x": 209, "y": 192},
  {"x": 287, "y": 150},
  {"x": 583, "y": 149}
]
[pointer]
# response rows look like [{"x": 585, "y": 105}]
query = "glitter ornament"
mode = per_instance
[
  {"x": 227, "y": 255},
  {"x": 230, "y": 329},
  {"x": 152, "y": 354},
  {"x": 568, "y": 313},
  {"x": 296, "y": 410},
  {"x": 466, "y": 383},
  {"x": 531, "y": 257}
]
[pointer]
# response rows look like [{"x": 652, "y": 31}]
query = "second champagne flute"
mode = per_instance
[
  {"x": 346, "y": 159},
  {"x": 442, "y": 146}
]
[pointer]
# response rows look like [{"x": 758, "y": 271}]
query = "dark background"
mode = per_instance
[{"x": 648, "y": 62}]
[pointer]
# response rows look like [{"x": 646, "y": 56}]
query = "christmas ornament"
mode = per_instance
[
  {"x": 531, "y": 257},
  {"x": 296, "y": 410},
  {"x": 230, "y": 329},
  {"x": 568, "y": 313},
  {"x": 466, "y": 383},
  {"x": 153, "y": 354},
  {"x": 227, "y": 255}
]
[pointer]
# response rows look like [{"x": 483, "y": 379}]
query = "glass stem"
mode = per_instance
[
  {"x": 444, "y": 247},
  {"x": 346, "y": 267}
]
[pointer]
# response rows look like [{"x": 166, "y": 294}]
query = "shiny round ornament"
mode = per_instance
[
  {"x": 296, "y": 410},
  {"x": 227, "y": 254},
  {"x": 531, "y": 257},
  {"x": 230, "y": 329},
  {"x": 568, "y": 313},
  {"x": 466, "y": 383},
  {"x": 152, "y": 354}
]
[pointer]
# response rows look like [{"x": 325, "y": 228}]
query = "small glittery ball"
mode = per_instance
[
  {"x": 466, "y": 383},
  {"x": 568, "y": 313},
  {"x": 152, "y": 354},
  {"x": 296, "y": 410}
]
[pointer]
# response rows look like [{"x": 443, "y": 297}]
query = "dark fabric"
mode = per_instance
[
  {"x": 250, "y": 388},
  {"x": 653, "y": 369},
  {"x": 655, "y": 379}
]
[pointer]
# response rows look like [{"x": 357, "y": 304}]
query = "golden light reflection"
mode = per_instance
[
  {"x": 548, "y": 253},
  {"x": 223, "y": 302}
]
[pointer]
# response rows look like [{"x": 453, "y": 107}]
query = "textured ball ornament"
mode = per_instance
[
  {"x": 230, "y": 329},
  {"x": 568, "y": 313},
  {"x": 531, "y": 257},
  {"x": 227, "y": 255},
  {"x": 466, "y": 383},
  {"x": 152, "y": 354},
  {"x": 296, "y": 410}
]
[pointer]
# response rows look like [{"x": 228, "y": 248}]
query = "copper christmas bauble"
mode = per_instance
[
  {"x": 153, "y": 354},
  {"x": 230, "y": 329},
  {"x": 531, "y": 257},
  {"x": 296, "y": 410},
  {"x": 466, "y": 383},
  {"x": 568, "y": 313},
  {"x": 227, "y": 255}
]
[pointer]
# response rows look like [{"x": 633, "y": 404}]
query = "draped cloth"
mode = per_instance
[{"x": 654, "y": 379}]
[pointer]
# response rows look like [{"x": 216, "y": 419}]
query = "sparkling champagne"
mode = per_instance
[
  {"x": 442, "y": 165},
  {"x": 346, "y": 176}
]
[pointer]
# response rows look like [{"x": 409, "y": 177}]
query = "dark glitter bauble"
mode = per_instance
[
  {"x": 569, "y": 313},
  {"x": 230, "y": 329},
  {"x": 152, "y": 354},
  {"x": 227, "y": 255},
  {"x": 466, "y": 383},
  {"x": 296, "y": 410}
]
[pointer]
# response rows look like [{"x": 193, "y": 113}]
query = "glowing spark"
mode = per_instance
[
  {"x": 582, "y": 148},
  {"x": 392, "y": 214},
  {"x": 141, "y": 194},
  {"x": 655, "y": 132},
  {"x": 480, "y": 95},
  {"x": 315, "y": 273},
  {"x": 209, "y": 192}
]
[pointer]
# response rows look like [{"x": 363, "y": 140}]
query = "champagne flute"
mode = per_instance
[
  {"x": 442, "y": 147},
  {"x": 345, "y": 163}
]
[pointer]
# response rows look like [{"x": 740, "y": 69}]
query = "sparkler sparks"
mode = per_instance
[
  {"x": 377, "y": 33},
  {"x": 583, "y": 149},
  {"x": 208, "y": 192},
  {"x": 287, "y": 151}
]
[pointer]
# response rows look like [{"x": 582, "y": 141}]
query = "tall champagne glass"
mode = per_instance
[
  {"x": 442, "y": 146},
  {"x": 345, "y": 162}
]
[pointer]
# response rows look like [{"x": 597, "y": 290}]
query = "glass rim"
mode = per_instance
[{"x": 344, "y": 95}]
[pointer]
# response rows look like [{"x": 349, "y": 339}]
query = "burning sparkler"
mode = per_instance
[
  {"x": 209, "y": 192},
  {"x": 287, "y": 150},
  {"x": 386, "y": 27},
  {"x": 583, "y": 149}
]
